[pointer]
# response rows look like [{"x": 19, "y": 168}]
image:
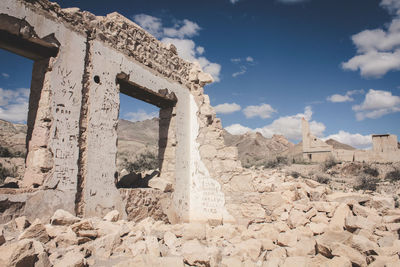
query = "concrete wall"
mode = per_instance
[
  {"x": 73, "y": 117},
  {"x": 385, "y": 149}
]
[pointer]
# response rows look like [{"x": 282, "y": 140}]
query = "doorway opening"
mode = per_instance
[
  {"x": 15, "y": 79},
  {"x": 143, "y": 131}
]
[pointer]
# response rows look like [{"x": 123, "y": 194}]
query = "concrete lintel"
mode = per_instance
[
  {"x": 18, "y": 37},
  {"x": 161, "y": 100}
]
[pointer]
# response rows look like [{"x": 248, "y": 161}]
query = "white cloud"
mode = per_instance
[
  {"x": 378, "y": 50},
  {"x": 237, "y": 129},
  {"x": 289, "y": 126},
  {"x": 263, "y": 111},
  {"x": 392, "y": 5},
  {"x": 200, "y": 50},
  {"x": 178, "y": 35},
  {"x": 355, "y": 140},
  {"x": 374, "y": 64},
  {"x": 183, "y": 29},
  {"x": 376, "y": 104},
  {"x": 5, "y": 75},
  {"x": 337, "y": 98},
  {"x": 140, "y": 115},
  {"x": 14, "y": 104},
  {"x": 234, "y": 1},
  {"x": 149, "y": 23},
  {"x": 243, "y": 62},
  {"x": 227, "y": 108},
  {"x": 242, "y": 71}
]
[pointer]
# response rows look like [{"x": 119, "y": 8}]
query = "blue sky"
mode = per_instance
[{"x": 335, "y": 62}]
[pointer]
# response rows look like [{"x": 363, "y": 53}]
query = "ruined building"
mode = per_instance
[
  {"x": 82, "y": 63},
  {"x": 384, "y": 149}
]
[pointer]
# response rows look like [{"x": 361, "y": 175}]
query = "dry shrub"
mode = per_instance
[
  {"x": 323, "y": 179},
  {"x": 393, "y": 176},
  {"x": 371, "y": 171},
  {"x": 367, "y": 183}
]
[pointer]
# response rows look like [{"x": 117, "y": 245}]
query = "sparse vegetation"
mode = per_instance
[
  {"x": 279, "y": 161},
  {"x": 282, "y": 160},
  {"x": 6, "y": 153},
  {"x": 323, "y": 179},
  {"x": 371, "y": 171},
  {"x": 144, "y": 161},
  {"x": 367, "y": 183},
  {"x": 393, "y": 176},
  {"x": 5, "y": 172},
  {"x": 271, "y": 164},
  {"x": 295, "y": 174},
  {"x": 329, "y": 163}
]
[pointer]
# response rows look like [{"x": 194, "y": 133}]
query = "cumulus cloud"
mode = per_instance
[
  {"x": 376, "y": 104},
  {"x": 289, "y": 126},
  {"x": 179, "y": 35},
  {"x": 263, "y": 111},
  {"x": 183, "y": 29},
  {"x": 392, "y": 5},
  {"x": 151, "y": 24},
  {"x": 233, "y": 1},
  {"x": 238, "y": 129},
  {"x": 249, "y": 59},
  {"x": 140, "y": 115},
  {"x": 378, "y": 50},
  {"x": 227, "y": 108},
  {"x": 5, "y": 75},
  {"x": 14, "y": 104},
  {"x": 355, "y": 140},
  {"x": 337, "y": 98}
]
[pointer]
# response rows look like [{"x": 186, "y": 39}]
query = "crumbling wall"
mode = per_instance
[
  {"x": 385, "y": 149},
  {"x": 72, "y": 148}
]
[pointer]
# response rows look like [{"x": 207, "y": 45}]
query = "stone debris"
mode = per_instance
[
  {"x": 112, "y": 216},
  {"x": 62, "y": 217},
  {"x": 333, "y": 231}
]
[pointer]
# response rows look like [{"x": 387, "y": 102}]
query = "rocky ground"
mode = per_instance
[
  {"x": 307, "y": 224},
  {"x": 346, "y": 176}
]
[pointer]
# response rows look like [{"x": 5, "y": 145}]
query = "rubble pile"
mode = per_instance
[{"x": 305, "y": 224}]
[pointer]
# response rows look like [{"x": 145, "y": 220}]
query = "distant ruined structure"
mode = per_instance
[
  {"x": 82, "y": 63},
  {"x": 384, "y": 149}
]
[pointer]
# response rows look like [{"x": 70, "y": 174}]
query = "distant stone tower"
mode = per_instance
[{"x": 314, "y": 149}]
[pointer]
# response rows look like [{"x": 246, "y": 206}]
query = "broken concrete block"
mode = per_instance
[
  {"x": 21, "y": 223},
  {"x": 62, "y": 217},
  {"x": 35, "y": 231},
  {"x": 112, "y": 216},
  {"x": 161, "y": 184}
]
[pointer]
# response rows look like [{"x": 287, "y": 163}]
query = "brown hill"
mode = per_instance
[
  {"x": 337, "y": 145},
  {"x": 135, "y": 138},
  {"x": 254, "y": 148},
  {"x": 13, "y": 136}
]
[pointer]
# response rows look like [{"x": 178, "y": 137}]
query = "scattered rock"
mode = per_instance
[
  {"x": 21, "y": 223},
  {"x": 71, "y": 259},
  {"x": 62, "y": 217},
  {"x": 35, "y": 231},
  {"x": 112, "y": 216},
  {"x": 161, "y": 184}
]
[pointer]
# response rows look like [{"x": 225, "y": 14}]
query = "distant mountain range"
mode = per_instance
[{"x": 137, "y": 137}]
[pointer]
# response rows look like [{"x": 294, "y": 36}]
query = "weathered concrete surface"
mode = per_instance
[
  {"x": 74, "y": 110},
  {"x": 385, "y": 149}
]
